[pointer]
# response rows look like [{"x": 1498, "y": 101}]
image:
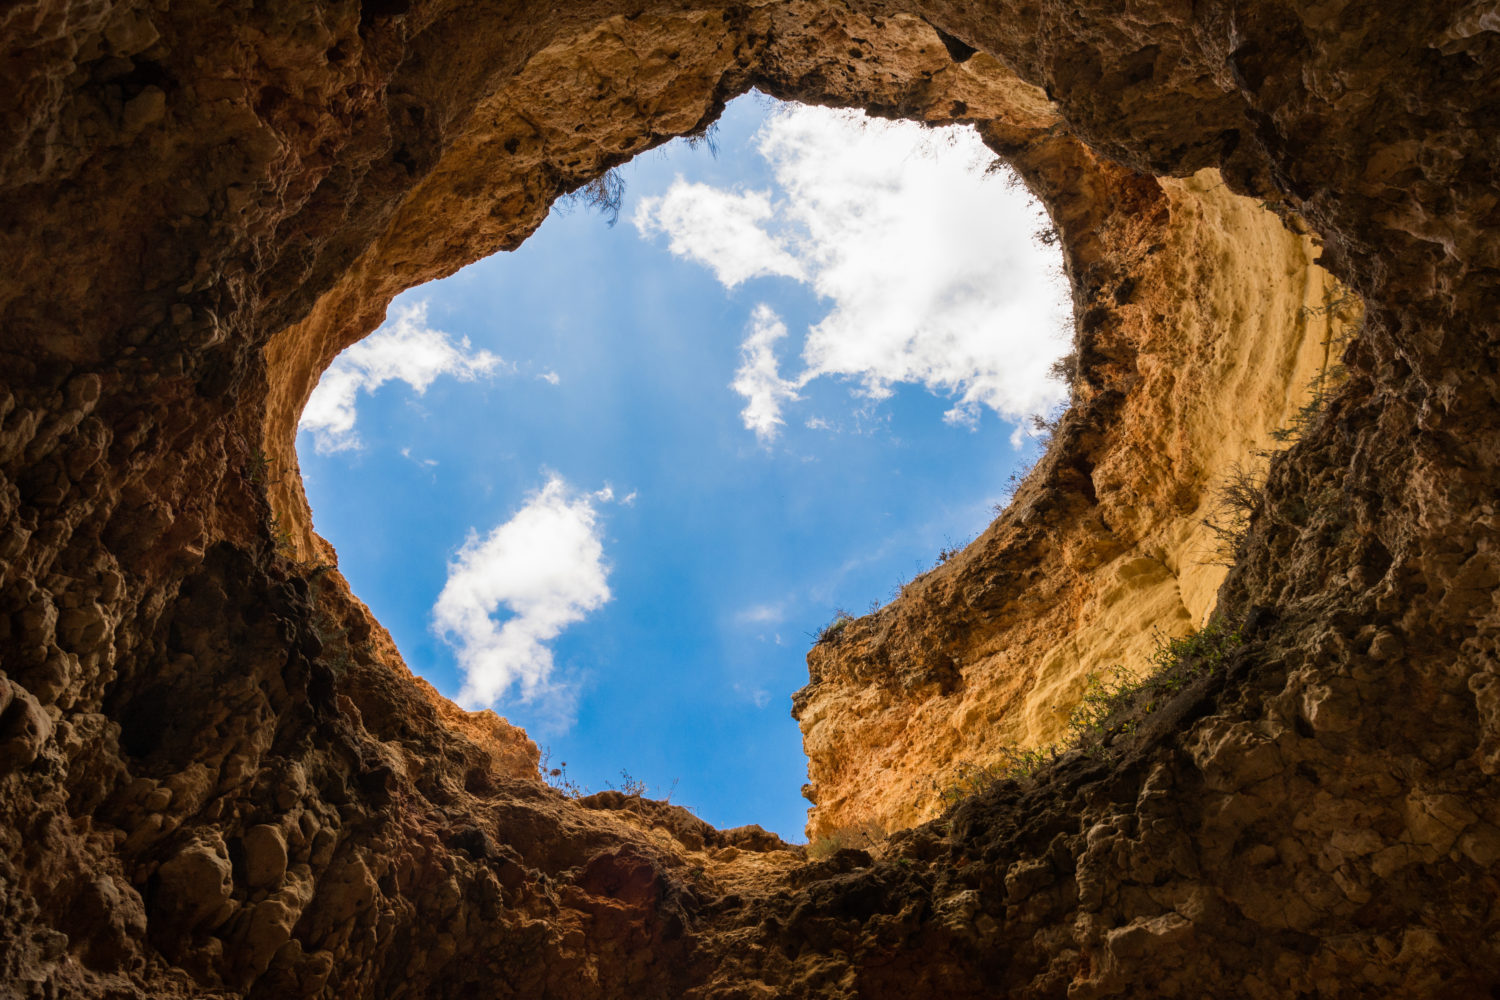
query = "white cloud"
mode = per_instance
[
  {"x": 545, "y": 567},
  {"x": 926, "y": 260},
  {"x": 550, "y": 377},
  {"x": 720, "y": 229},
  {"x": 758, "y": 378},
  {"x": 762, "y": 614},
  {"x": 758, "y": 696},
  {"x": 404, "y": 349},
  {"x": 425, "y": 462}
]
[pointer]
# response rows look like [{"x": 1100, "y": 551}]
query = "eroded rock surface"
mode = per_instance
[
  {"x": 1111, "y": 542},
  {"x": 217, "y": 778}
]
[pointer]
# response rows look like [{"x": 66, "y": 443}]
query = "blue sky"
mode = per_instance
[{"x": 609, "y": 484}]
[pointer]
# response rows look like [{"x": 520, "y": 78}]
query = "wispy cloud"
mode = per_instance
[
  {"x": 762, "y": 614},
  {"x": 758, "y": 378},
  {"x": 926, "y": 260},
  {"x": 545, "y": 568},
  {"x": 404, "y": 349},
  {"x": 757, "y": 696},
  {"x": 427, "y": 463}
]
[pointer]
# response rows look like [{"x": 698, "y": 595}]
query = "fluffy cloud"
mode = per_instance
[
  {"x": 925, "y": 258},
  {"x": 545, "y": 567},
  {"x": 758, "y": 378},
  {"x": 404, "y": 349},
  {"x": 719, "y": 229}
]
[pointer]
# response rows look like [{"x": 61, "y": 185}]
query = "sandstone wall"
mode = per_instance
[
  {"x": 217, "y": 779},
  {"x": 1206, "y": 339}
]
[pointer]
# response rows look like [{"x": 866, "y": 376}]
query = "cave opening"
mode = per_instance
[
  {"x": 613, "y": 484},
  {"x": 220, "y": 779},
  {"x": 1203, "y": 319}
]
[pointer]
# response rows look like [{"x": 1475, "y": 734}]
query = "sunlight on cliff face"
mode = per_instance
[
  {"x": 799, "y": 371},
  {"x": 1221, "y": 335}
]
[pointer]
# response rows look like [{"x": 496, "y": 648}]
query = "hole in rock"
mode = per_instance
[{"x": 611, "y": 484}]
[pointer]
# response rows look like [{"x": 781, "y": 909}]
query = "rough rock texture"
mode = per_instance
[
  {"x": 1107, "y": 545},
  {"x": 216, "y": 778}
]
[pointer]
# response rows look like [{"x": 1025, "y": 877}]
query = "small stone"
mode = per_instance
[
  {"x": 265, "y": 856},
  {"x": 196, "y": 882},
  {"x": 25, "y": 728},
  {"x": 1147, "y": 935},
  {"x": 146, "y": 108},
  {"x": 1481, "y": 845},
  {"x": 270, "y": 927}
]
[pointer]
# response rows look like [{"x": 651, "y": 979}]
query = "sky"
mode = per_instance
[{"x": 611, "y": 483}]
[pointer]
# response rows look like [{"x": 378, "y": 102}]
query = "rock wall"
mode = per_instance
[
  {"x": 1109, "y": 545},
  {"x": 216, "y": 777}
]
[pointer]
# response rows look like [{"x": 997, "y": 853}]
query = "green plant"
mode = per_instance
[
  {"x": 281, "y": 537},
  {"x": 557, "y": 777},
  {"x": 1341, "y": 308},
  {"x": 1013, "y": 764},
  {"x": 258, "y": 475},
  {"x": 1008, "y": 494},
  {"x": 630, "y": 786},
  {"x": 1100, "y": 713},
  {"x": 834, "y": 630},
  {"x": 947, "y": 552},
  {"x": 257, "y": 468},
  {"x": 1114, "y": 704},
  {"x": 1320, "y": 390},
  {"x": 337, "y": 649}
]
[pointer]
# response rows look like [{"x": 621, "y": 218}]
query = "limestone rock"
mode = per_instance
[{"x": 218, "y": 778}]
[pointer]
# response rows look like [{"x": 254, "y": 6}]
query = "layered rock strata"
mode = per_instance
[
  {"x": 216, "y": 777},
  {"x": 1118, "y": 538}
]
